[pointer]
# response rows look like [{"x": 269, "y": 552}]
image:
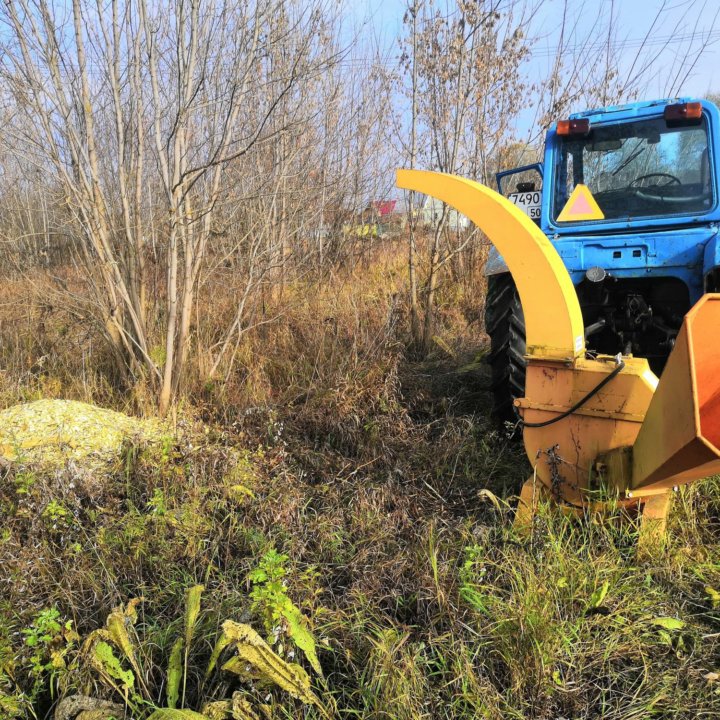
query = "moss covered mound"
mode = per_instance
[{"x": 51, "y": 432}]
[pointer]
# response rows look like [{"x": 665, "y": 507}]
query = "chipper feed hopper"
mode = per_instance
[{"x": 596, "y": 428}]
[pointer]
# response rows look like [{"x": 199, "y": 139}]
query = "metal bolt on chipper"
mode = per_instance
[{"x": 598, "y": 425}]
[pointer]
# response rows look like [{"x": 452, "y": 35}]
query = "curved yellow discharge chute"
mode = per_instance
[{"x": 553, "y": 321}]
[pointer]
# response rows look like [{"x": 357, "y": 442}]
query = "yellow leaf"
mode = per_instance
[
  {"x": 598, "y": 595},
  {"x": 192, "y": 610},
  {"x": 489, "y": 496},
  {"x": 218, "y": 710},
  {"x": 131, "y": 609},
  {"x": 57, "y": 660},
  {"x": 117, "y": 625},
  {"x": 668, "y": 623},
  {"x": 714, "y": 596},
  {"x": 104, "y": 661},
  {"x": 242, "y": 709},
  {"x": 174, "y": 673},
  {"x": 239, "y": 493},
  {"x": 220, "y": 645},
  {"x": 255, "y": 659},
  {"x": 302, "y": 637}
]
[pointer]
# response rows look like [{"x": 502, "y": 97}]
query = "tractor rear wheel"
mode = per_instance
[{"x": 505, "y": 324}]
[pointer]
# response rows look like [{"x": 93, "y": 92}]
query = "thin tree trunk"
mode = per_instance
[{"x": 415, "y": 329}]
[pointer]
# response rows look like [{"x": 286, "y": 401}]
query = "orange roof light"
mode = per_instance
[
  {"x": 570, "y": 128},
  {"x": 683, "y": 114}
]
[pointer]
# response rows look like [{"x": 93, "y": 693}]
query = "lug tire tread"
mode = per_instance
[{"x": 505, "y": 323}]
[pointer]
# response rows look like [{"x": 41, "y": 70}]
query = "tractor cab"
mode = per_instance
[
  {"x": 641, "y": 162},
  {"x": 652, "y": 168},
  {"x": 628, "y": 196}
]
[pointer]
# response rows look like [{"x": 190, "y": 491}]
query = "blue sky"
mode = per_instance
[{"x": 682, "y": 22}]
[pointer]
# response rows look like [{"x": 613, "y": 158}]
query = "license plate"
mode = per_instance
[{"x": 528, "y": 202}]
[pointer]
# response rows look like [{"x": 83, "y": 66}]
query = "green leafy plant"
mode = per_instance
[
  {"x": 24, "y": 481},
  {"x": 669, "y": 631},
  {"x": 279, "y": 613},
  {"x": 55, "y": 512},
  {"x": 471, "y": 573},
  {"x": 50, "y": 639},
  {"x": 101, "y": 645},
  {"x": 112, "y": 652},
  {"x": 157, "y": 504},
  {"x": 13, "y": 705},
  {"x": 598, "y": 595},
  {"x": 109, "y": 665}
]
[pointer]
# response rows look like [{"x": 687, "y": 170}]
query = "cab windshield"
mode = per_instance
[{"x": 638, "y": 169}]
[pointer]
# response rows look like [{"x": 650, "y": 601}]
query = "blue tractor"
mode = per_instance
[{"x": 630, "y": 198}]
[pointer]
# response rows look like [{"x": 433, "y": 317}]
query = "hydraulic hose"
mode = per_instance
[{"x": 620, "y": 365}]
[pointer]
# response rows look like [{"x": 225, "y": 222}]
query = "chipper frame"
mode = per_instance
[{"x": 598, "y": 429}]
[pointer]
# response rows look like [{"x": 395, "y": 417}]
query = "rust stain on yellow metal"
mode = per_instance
[
  {"x": 553, "y": 320},
  {"x": 610, "y": 419}
]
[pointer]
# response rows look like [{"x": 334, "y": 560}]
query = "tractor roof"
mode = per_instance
[{"x": 647, "y": 107}]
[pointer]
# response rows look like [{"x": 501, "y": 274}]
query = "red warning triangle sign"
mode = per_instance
[{"x": 581, "y": 205}]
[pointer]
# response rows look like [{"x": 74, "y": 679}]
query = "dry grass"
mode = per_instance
[{"x": 364, "y": 468}]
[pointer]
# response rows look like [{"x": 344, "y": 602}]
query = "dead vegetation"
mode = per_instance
[
  {"x": 336, "y": 495},
  {"x": 320, "y": 527}
]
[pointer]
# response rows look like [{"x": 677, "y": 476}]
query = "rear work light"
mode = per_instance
[
  {"x": 683, "y": 114},
  {"x": 573, "y": 128}
]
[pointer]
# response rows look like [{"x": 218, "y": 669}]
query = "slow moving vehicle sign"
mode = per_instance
[{"x": 581, "y": 205}]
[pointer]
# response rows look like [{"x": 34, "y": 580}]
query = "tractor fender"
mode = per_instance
[
  {"x": 711, "y": 260},
  {"x": 495, "y": 265}
]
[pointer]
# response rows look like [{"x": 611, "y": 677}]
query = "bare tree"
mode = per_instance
[
  {"x": 596, "y": 63},
  {"x": 466, "y": 90},
  {"x": 186, "y": 163},
  {"x": 409, "y": 60},
  {"x": 138, "y": 114}
]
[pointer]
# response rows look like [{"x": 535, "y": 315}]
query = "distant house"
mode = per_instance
[
  {"x": 431, "y": 211},
  {"x": 384, "y": 208},
  {"x": 382, "y": 218},
  {"x": 375, "y": 220}
]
